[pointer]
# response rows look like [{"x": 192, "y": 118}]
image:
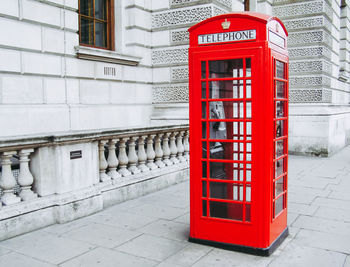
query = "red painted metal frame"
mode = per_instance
[{"x": 264, "y": 227}]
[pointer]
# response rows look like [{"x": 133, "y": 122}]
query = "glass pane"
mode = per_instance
[
  {"x": 248, "y": 66},
  {"x": 249, "y": 110},
  {"x": 101, "y": 34},
  {"x": 87, "y": 31},
  {"x": 247, "y": 212},
  {"x": 233, "y": 211},
  {"x": 249, "y": 130},
  {"x": 220, "y": 130},
  {"x": 204, "y": 150},
  {"x": 227, "y": 171},
  {"x": 280, "y": 128},
  {"x": 248, "y": 193},
  {"x": 248, "y": 88},
  {"x": 279, "y": 148},
  {"x": 279, "y": 168},
  {"x": 226, "y": 191},
  {"x": 280, "y": 109},
  {"x": 87, "y": 8},
  {"x": 280, "y": 89},
  {"x": 203, "y": 69},
  {"x": 204, "y": 90},
  {"x": 238, "y": 171},
  {"x": 279, "y": 69},
  {"x": 225, "y": 150},
  {"x": 204, "y": 110},
  {"x": 101, "y": 9},
  {"x": 204, "y": 169},
  {"x": 226, "y": 68},
  {"x": 204, "y": 188},
  {"x": 204, "y": 130},
  {"x": 279, "y": 186},
  {"x": 204, "y": 207},
  {"x": 279, "y": 205},
  {"x": 226, "y": 89}
]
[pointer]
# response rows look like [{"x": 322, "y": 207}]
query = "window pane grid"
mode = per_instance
[{"x": 233, "y": 96}]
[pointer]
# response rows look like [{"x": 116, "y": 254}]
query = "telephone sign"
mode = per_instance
[{"x": 238, "y": 70}]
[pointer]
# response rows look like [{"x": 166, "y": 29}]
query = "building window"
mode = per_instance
[
  {"x": 96, "y": 27},
  {"x": 246, "y": 5}
]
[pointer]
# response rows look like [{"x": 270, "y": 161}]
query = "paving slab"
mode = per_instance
[
  {"x": 183, "y": 218},
  {"x": 315, "y": 239},
  {"x": 294, "y": 255},
  {"x": 332, "y": 203},
  {"x": 188, "y": 256},
  {"x": 18, "y": 260},
  {"x": 108, "y": 258},
  {"x": 168, "y": 229},
  {"x": 152, "y": 247},
  {"x": 347, "y": 261},
  {"x": 102, "y": 235},
  {"x": 156, "y": 211},
  {"x": 46, "y": 246},
  {"x": 300, "y": 208},
  {"x": 334, "y": 214}
]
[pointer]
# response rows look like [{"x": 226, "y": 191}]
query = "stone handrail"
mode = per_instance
[{"x": 121, "y": 153}]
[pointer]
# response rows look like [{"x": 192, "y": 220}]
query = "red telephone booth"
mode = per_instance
[{"x": 238, "y": 67}]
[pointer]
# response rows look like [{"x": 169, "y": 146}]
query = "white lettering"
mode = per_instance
[{"x": 227, "y": 37}]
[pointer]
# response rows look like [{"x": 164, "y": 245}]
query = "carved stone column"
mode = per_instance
[
  {"x": 123, "y": 158},
  {"x": 25, "y": 178},
  {"x": 173, "y": 148},
  {"x": 186, "y": 146},
  {"x": 102, "y": 161},
  {"x": 166, "y": 150},
  {"x": 7, "y": 180},
  {"x": 133, "y": 159},
  {"x": 142, "y": 154},
  {"x": 159, "y": 151},
  {"x": 180, "y": 147},
  {"x": 112, "y": 159},
  {"x": 150, "y": 153}
]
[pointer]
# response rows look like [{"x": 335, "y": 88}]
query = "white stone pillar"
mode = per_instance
[
  {"x": 166, "y": 150},
  {"x": 123, "y": 158},
  {"x": 186, "y": 146},
  {"x": 158, "y": 151},
  {"x": 102, "y": 161},
  {"x": 142, "y": 154},
  {"x": 25, "y": 178},
  {"x": 7, "y": 180},
  {"x": 173, "y": 148},
  {"x": 112, "y": 159},
  {"x": 180, "y": 147},
  {"x": 133, "y": 159},
  {"x": 150, "y": 153}
]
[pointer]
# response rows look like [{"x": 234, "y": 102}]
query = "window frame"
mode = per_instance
[{"x": 110, "y": 26}]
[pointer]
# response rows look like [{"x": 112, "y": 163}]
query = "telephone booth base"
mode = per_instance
[{"x": 239, "y": 248}]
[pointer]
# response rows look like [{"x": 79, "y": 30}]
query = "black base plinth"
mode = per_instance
[{"x": 250, "y": 250}]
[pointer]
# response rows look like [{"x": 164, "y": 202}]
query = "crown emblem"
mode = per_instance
[{"x": 226, "y": 24}]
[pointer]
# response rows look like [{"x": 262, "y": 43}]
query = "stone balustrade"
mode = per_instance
[
  {"x": 66, "y": 176},
  {"x": 122, "y": 157}
]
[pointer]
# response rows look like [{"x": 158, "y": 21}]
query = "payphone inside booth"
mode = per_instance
[{"x": 238, "y": 70}]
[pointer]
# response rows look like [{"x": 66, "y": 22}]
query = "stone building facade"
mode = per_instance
[{"x": 85, "y": 127}]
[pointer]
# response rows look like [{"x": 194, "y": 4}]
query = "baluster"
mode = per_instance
[
  {"x": 112, "y": 159},
  {"x": 180, "y": 147},
  {"x": 7, "y": 180},
  {"x": 142, "y": 154},
  {"x": 166, "y": 150},
  {"x": 102, "y": 161},
  {"x": 25, "y": 177},
  {"x": 133, "y": 159},
  {"x": 150, "y": 153},
  {"x": 186, "y": 146},
  {"x": 123, "y": 158},
  {"x": 173, "y": 148},
  {"x": 159, "y": 151}
]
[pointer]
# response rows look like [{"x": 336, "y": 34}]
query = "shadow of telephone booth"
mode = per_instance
[{"x": 238, "y": 71}]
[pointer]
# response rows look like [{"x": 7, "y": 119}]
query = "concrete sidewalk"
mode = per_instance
[{"x": 153, "y": 230}]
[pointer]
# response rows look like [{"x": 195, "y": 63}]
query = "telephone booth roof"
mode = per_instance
[{"x": 239, "y": 21}]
